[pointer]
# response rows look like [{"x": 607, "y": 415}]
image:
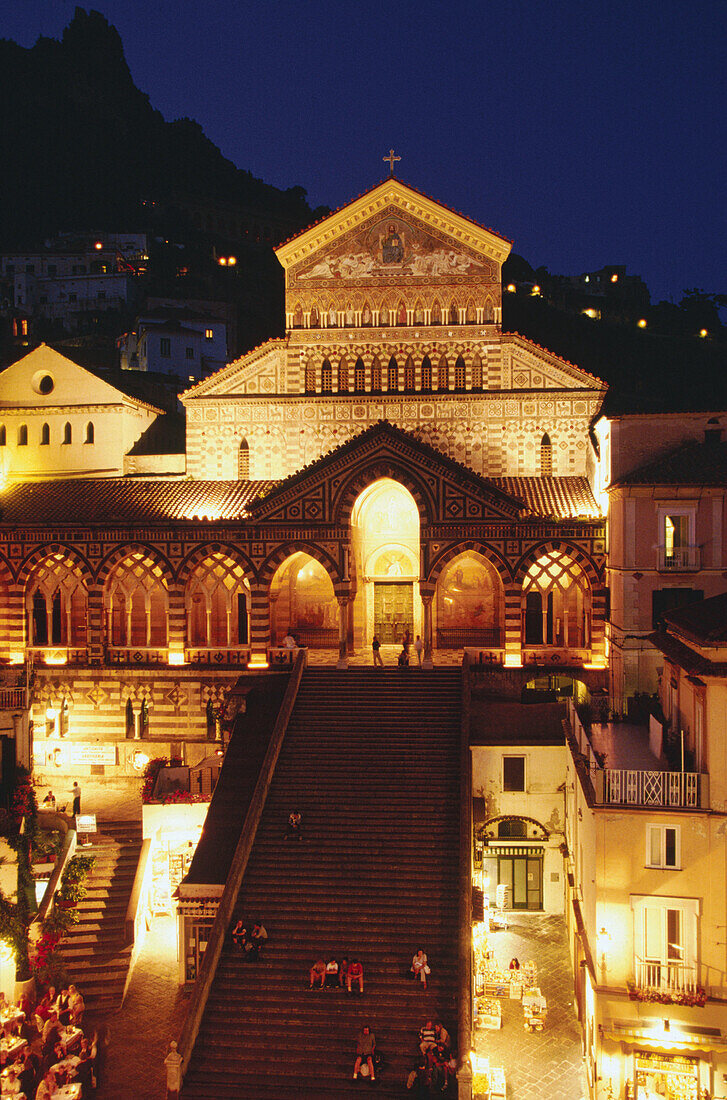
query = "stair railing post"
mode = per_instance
[{"x": 464, "y": 1016}]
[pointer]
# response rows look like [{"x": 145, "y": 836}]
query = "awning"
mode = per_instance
[{"x": 657, "y": 1039}]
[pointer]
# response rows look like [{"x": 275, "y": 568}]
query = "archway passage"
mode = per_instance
[
  {"x": 56, "y": 599},
  {"x": 470, "y": 604},
  {"x": 136, "y": 603},
  {"x": 303, "y": 604},
  {"x": 218, "y": 602},
  {"x": 385, "y": 541}
]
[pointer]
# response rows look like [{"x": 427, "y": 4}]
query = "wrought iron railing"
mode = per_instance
[
  {"x": 667, "y": 976},
  {"x": 678, "y": 559},
  {"x": 651, "y": 788}
]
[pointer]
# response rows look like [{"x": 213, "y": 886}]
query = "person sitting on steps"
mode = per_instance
[
  {"x": 332, "y": 974},
  {"x": 420, "y": 968},
  {"x": 365, "y": 1048},
  {"x": 355, "y": 974},
  {"x": 258, "y": 939},
  {"x": 318, "y": 973}
]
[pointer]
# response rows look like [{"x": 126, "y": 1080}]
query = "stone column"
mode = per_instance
[
  {"x": 176, "y": 620},
  {"x": 427, "y": 598},
  {"x": 342, "y": 632},
  {"x": 259, "y": 623}
]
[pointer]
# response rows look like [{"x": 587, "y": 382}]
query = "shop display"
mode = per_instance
[
  {"x": 488, "y": 1082},
  {"x": 660, "y": 1077},
  {"x": 488, "y": 1013}
]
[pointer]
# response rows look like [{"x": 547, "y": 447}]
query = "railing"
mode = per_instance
[
  {"x": 58, "y": 655},
  {"x": 464, "y": 967},
  {"x": 317, "y": 637},
  {"x": 136, "y": 655},
  {"x": 12, "y": 698},
  {"x": 280, "y": 656},
  {"x": 670, "y": 976},
  {"x": 678, "y": 559},
  {"x": 239, "y": 655},
  {"x": 646, "y": 788}
]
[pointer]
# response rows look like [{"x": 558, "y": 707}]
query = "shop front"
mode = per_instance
[{"x": 665, "y": 1077}]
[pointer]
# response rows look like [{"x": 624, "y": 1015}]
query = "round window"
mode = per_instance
[{"x": 43, "y": 383}]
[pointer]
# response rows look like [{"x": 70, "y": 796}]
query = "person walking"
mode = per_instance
[
  {"x": 76, "y": 792},
  {"x": 376, "y": 649},
  {"x": 418, "y": 647}
]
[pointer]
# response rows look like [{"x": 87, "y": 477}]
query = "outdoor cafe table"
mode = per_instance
[
  {"x": 13, "y": 1046},
  {"x": 68, "y": 1092},
  {"x": 70, "y": 1036}
]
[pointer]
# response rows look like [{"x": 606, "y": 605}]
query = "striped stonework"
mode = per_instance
[{"x": 259, "y": 621}]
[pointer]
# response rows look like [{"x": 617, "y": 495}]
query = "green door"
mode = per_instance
[
  {"x": 393, "y": 611},
  {"x": 522, "y": 870}
]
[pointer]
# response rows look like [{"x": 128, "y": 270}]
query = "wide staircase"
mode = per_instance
[
  {"x": 94, "y": 951},
  {"x": 371, "y": 759}
]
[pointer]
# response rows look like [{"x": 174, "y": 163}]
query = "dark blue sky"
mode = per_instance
[{"x": 588, "y": 132}]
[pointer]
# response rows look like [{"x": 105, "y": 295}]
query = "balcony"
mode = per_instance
[
  {"x": 671, "y": 977},
  {"x": 678, "y": 559},
  {"x": 628, "y": 787}
]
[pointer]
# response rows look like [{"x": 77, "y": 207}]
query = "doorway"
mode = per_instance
[
  {"x": 522, "y": 870},
  {"x": 393, "y": 611}
]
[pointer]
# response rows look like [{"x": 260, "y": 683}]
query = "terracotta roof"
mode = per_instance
[
  {"x": 691, "y": 464},
  {"x": 505, "y": 723},
  {"x": 368, "y": 191},
  {"x": 704, "y": 622},
  {"x": 126, "y": 500},
  {"x": 687, "y": 658},
  {"x": 559, "y": 497}
]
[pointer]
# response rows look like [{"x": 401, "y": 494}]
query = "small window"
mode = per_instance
[
  {"x": 546, "y": 456},
  {"x": 24, "y": 327},
  {"x": 89, "y": 432},
  {"x": 243, "y": 461},
  {"x": 3, "y": 435},
  {"x": 52, "y": 269},
  {"x": 512, "y": 827},
  {"x": 393, "y": 375},
  {"x": 23, "y": 435},
  {"x": 662, "y": 846},
  {"x": 165, "y": 347},
  {"x": 326, "y": 377},
  {"x": 209, "y": 334},
  {"x": 359, "y": 377},
  {"x": 45, "y": 435},
  {"x": 189, "y": 353},
  {"x": 426, "y": 375},
  {"x": 67, "y": 433},
  {"x": 513, "y": 773},
  {"x": 310, "y": 379}
]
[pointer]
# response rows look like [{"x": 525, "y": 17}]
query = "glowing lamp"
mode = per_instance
[
  {"x": 591, "y": 312},
  {"x": 257, "y": 662},
  {"x": 614, "y": 278},
  {"x": 513, "y": 660},
  {"x": 176, "y": 657},
  {"x": 703, "y": 332},
  {"x": 222, "y": 261},
  {"x": 98, "y": 246},
  {"x": 511, "y": 288},
  {"x": 140, "y": 760},
  {"x": 642, "y": 322},
  {"x": 535, "y": 291},
  {"x": 232, "y": 260}
]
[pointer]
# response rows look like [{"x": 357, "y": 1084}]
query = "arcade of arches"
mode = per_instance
[{"x": 468, "y": 600}]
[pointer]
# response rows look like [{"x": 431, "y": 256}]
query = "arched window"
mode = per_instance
[
  {"x": 409, "y": 374},
  {"x": 3, "y": 435},
  {"x": 443, "y": 375},
  {"x": 67, "y": 433},
  {"x": 89, "y": 432},
  {"x": 393, "y": 376},
  {"x": 326, "y": 377},
  {"x": 546, "y": 456},
  {"x": 476, "y": 373},
  {"x": 343, "y": 376},
  {"x": 243, "y": 461},
  {"x": 359, "y": 376},
  {"x": 426, "y": 374},
  {"x": 136, "y": 602},
  {"x": 556, "y": 602},
  {"x": 23, "y": 435},
  {"x": 314, "y": 320},
  {"x": 418, "y": 314},
  {"x": 384, "y": 315},
  {"x": 460, "y": 374},
  {"x": 376, "y": 375},
  {"x": 56, "y": 601},
  {"x": 45, "y": 435},
  {"x": 310, "y": 378},
  {"x": 218, "y": 601}
]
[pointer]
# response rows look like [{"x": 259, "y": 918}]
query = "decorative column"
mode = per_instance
[
  {"x": 95, "y": 635},
  {"x": 513, "y": 625},
  {"x": 176, "y": 624},
  {"x": 342, "y": 632},
  {"x": 427, "y": 594},
  {"x": 259, "y": 624}
]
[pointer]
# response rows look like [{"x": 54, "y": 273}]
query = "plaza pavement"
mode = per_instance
[{"x": 545, "y": 1065}]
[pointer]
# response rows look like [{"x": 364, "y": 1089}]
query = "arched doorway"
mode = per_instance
[
  {"x": 385, "y": 541},
  {"x": 470, "y": 604},
  {"x": 556, "y": 603},
  {"x": 303, "y": 603}
]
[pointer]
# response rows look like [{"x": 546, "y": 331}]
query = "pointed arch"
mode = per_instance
[
  {"x": 453, "y": 313},
  {"x": 366, "y": 315},
  {"x": 489, "y": 311},
  {"x": 90, "y": 432},
  {"x": 418, "y": 312},
  {"x": 460, "y": 374},
  {"x": 310, "y": 377},
  {"x": 342, "y": 375},
  {"x": 326, "y": 376},
  {"x": 56, "y": 599},
  {"x": 243, "y": 461},
  {"x": 426, "y": 384},
  {"x": 376, "y": 382},
  {"x": 546, "y": 456},
  {"x": 359, "y": 376},
  {"x": 443, "y": 374},
  {"x": 476, "y": 373},
  {"x": 298, "y": 316},
  {"x": 409, "y": 374},
  {"x": 67, "y": 433},
  {"x": 436, "y": 312},
  {"x": 471, "y": 312},
  {"x": 401, "y": 314},
  {"x": 23, "y": 435}
]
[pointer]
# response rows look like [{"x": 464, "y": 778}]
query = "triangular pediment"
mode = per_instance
[
  {"x": 527, "y": 366},
  {"x": 391, "y": 231},
  {"x": 258, "y": 371},
  {"x": 445, "y": 491},
  {"x": 45, "y": 379}
]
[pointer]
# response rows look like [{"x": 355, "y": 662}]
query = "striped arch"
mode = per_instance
[
  {"x": 361, "y": 478},
  {"x": 274, "y": 560},
  {"x": 573, "y": 551},
  {"x": 41, "y": 553},
  {"x": 489, "y": 553},
  {"x": 193, "y": 559},
  {"x": 114, "y": 557}
]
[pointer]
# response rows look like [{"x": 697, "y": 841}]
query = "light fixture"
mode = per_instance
[
  {"x": 614, "y": 278},
  {"x": 641, "y": 322},
  {"x": 703, "y": 332},
  {"x": 140, "y": 760},
  {"x": 511, "y": 288},
  {"x": 98, "y": 246}
]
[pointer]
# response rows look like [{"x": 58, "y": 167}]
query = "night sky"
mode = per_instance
[{"x": 589, "y": 132}]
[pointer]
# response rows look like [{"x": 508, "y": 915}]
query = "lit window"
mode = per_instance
[
  {"x": 209, "y": 334},
  {"x": 546, "y": 456},
  {"x": 23, "y": 328},
  {"x": 614, "y": 278},
  {"x": 513, "y": 773},
  {"x": 662, "y": 846},
  {"x": 243, "y": 461}
]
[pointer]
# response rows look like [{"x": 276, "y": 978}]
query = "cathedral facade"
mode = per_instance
[{"x": 395, "y": 463}]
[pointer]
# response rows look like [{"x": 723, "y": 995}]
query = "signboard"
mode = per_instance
[
  {"x": 68, "y": 754},
  {"x": 86, "y": 823}
]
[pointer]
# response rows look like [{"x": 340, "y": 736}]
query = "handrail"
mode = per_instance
[
  {"x": 464, "y": 969},
  {"x": 67, "y": 851},
  {"x": 218, "y": 932},
  {"x": 136, "y": 892}
]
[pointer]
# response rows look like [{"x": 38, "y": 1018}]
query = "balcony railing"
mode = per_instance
[
  {"x": 12, "y": 698},
  {"x": 136, "y": 655},
  {"x": 678, "y": 559},
  {"x": 670, "y": 976},
  {"x": 218, "y": 656},
  {"x": 628, "y": 787},
  {"x": 454, "y": 637},
  {"x": 58, "y": 655}
]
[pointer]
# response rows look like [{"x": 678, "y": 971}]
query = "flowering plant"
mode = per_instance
[
  {"x": 695, "y": 999},
  {"x": 151, "y": 771}
]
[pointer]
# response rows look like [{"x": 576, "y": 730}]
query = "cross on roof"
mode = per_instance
[{"x": 392, "y": 158}]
